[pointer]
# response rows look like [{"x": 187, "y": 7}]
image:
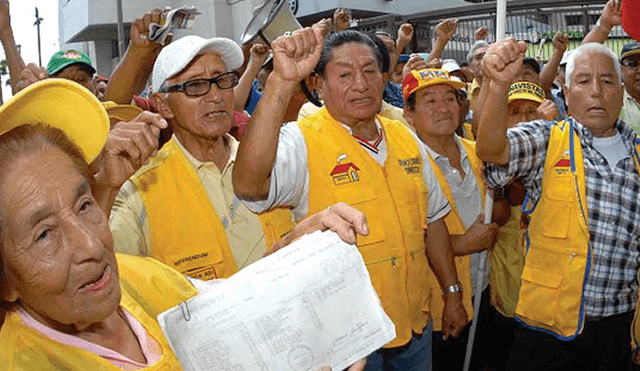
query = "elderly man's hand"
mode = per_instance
[
  {"x": 547, "y": 110},
  {"x": 129, "y": 146},
  {"x": 32, "y": 73},
  {"x": 480, "y": 236},
  {"x": 415, "y": 62},
  {"x": 341, "y": 218},
  {"x": 341, "y": 19},
  {"x": 560, "y": 42},
  {"x": 139, "y": 33},
  {"x": 454, "y": 316},
  {"x": 405, "y": 33},
  {"x": 446, "y": 29},
  {"x": 296, "y": 55},
  {"x": 611, "y": 14},
  {"x": 324, "y": 25},
  {"x": 259, "y": 54},
  {"x": 503, "y": 60},
  {"x": 481, "y": 33}
]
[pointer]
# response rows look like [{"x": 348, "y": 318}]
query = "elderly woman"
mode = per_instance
[{"x": 68, "y": 301}]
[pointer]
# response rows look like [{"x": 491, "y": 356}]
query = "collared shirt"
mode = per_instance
[
  {"x": 290, "y": 176},
  {"x": 468, "y": 200},
  {"x": 150, "y": 348},
  {"x": 392, "y": 94},
  {"x": 130, "y": 226},
  {"x": 630, "y": 112},
  {"x": 612, "y": 201}
]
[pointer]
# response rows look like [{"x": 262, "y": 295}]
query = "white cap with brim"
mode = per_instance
[
  {"x": 450, "y": 65},
  {"x": 176, "y": 56},
  {"x": 62, "y": 104}
]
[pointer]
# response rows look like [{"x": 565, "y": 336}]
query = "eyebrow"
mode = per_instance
[{"x": 45, "y": 212}]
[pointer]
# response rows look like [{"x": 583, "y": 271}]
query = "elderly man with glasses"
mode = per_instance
[
  {"x": 180, "y": 208},
  {"x": 630, "y": 58}
]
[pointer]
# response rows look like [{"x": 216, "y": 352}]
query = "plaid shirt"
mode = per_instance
[
  {"x": 614, "y": 209},
  {"x": 392, "y": 94}
]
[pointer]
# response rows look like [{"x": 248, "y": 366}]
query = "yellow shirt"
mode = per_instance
[
  {"x": 386, "y": 111},
  {"x": 130, "y": 226}
]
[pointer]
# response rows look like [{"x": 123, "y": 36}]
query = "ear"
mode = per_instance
[
  {"x": 320, "y": 87},
  {"x": 161, "y": 105},
  {"x": 7, "y": 291},
  {"x": 408, "y": 115}
]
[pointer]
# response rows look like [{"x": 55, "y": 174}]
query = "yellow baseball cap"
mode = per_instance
[
  {"x": 417, "y": 80},
  {"x": 525, "y": 90},
  {"x": 62, "y": 104},
  {"x": 121, "y": 112}
]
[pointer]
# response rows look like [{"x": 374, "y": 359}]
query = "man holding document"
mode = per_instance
[{"x": 346, "y": 152}]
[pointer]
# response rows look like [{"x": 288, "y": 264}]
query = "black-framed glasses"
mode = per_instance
[
  {"x": 196, "y": 88},
  {"x": 629, "y": 62}
]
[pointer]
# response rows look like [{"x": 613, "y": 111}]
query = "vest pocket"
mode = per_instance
[
  {"x": 364, "y": 199},
  {"x": 558, "y": 207},
  {"x": 539, "y": 294}
]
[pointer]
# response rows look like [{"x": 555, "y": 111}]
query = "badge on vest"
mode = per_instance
[
  {"x": 563, "y": 165},
  {"x": 345, "y": 173},
  {"x": 410, "y": 165}
]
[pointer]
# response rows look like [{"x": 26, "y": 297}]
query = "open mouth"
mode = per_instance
[
  {"x": 99, "y": 282},
  {"x": 216, "y": 114}
]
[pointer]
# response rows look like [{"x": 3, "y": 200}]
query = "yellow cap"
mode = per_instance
[
  {"x": 525, "y": 90},
  {"x": 62, "y": 104},
  {"x": 121, "y": 112},
  {"x": 417, "y": 80}
]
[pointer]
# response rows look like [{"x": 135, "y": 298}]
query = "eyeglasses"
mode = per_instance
[
  {"x": 196, "y": 88},
  {"x": 629, "y": 62}
]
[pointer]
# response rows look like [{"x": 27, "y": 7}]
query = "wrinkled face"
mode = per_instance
[
  {"x": 476, "y": 62},
  {"x": 631, "y": 75},
  {"x": 352, "y": 84},
  {"x": 56, "y": 244},
  {"x": 78, "y": 73},
  {"x": 527, "y": 73},
  {"x": 522, "y": 110},
  {"x": 209, "y": 116},
  {"x": 437, "y": 112},
  {"x": 595, "y": 94}
]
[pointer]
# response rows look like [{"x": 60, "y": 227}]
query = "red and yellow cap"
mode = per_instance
[{"x": 416, "y": 80}]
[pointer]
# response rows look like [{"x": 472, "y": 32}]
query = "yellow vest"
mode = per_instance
[
  {"x": 186, "y": 232},
  {"x": 456, "y": 227},
  {"x": 507, "y": 261},
  {"x": 558, "y": 255},
  {"x": 393, "y": 198},
  {"x": 152, "y": 289},
  {"x": 468, "y": 132}
]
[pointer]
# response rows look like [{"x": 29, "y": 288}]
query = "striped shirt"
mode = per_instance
[{"x": 614, "y": 209}]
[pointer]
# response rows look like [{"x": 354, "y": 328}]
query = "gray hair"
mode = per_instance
[
  {"x": 477, "y": 45},
  {"x": 591, "y": 48}
]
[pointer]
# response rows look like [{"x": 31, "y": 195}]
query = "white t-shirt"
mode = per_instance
[
  {"x": 290, "y": 176},
  {"x": 611, "y": 148}
]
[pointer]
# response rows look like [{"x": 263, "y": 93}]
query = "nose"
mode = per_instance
[
  {"x": 82, "y": 239},
  {"x": 595, "y": 88},
  {"x": 214, "y": 94},
  {"x": 360, "y": 82}
]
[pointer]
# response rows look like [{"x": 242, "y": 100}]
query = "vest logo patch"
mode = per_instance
[
  {"x": 563, "y": 165},
  {"x": 411, "y": 165},
  {"x": 345, "y": 173}
]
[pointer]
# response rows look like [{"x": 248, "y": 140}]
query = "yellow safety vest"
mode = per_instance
[
  {"x": 558, "y": 257},
  {"x": 152, "y": 289},
  {"x": 394, "y": 199},
  {"x": 456, "y": 227},
  {"x": 186, "y": 232},
  {"x": 507, "y": 261}
]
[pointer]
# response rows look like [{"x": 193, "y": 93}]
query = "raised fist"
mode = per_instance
[{"x": 503, "y": 60}]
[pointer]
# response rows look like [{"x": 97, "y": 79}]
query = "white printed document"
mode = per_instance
[{"x": 308, "y": 305}]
